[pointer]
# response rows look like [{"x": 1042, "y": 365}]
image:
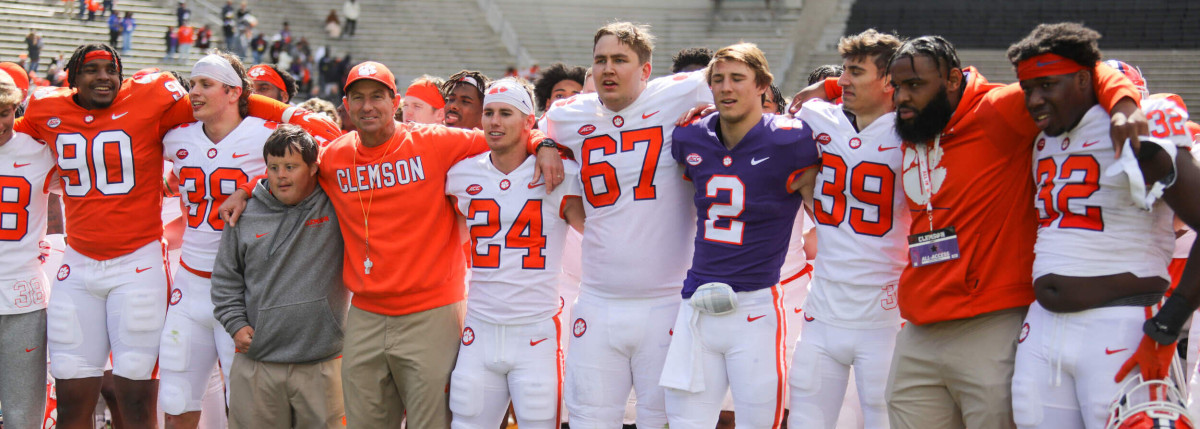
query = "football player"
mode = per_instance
[
  {"x": 273, "y": 83},
  {"x": 1092, "y": 302},
  {"x": 464, "y": 99},
  {"x": 731, "y": 327},
  {"x": 511, "y": 337},
  {"x": 423, "y": 102},
  {"x": 637, "y": 244}
]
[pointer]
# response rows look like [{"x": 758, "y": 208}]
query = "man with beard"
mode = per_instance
[
  {"x": 464, "y": 99},
  {"x": 967, "y": 157}
]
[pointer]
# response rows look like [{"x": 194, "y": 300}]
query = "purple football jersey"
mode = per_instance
[{"x": 744, "y": 212}]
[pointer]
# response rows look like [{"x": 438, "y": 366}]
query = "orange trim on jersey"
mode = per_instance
[
  {"x": 808, "y": 268},
  {"x": 792, "y": 177},
  {"x": 560, "y": 363},
  {"x": 204, "y": 274},
  {"x": 1175, "y": 269},
  {"x": 781, "y": 369},
  {"x": 1047, "y": 64},
  {"x": 562, "y": 207}
]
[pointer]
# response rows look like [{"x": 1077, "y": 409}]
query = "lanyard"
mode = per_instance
[{"x": 926, "y": 182}]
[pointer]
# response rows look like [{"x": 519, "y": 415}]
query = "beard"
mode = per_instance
[{"x": 928, "y": 122}]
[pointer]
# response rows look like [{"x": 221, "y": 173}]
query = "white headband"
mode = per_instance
[
  {"x": 509, "y": 92},
  {"x": 216, "y": 68}
]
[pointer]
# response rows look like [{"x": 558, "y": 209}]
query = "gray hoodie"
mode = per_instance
[{"x": 280, "y": 271}]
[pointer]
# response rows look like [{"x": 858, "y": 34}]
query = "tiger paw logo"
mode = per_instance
[
  {"x": 63, "y": 272},
  {"x": 367, "y": 70},
  {"x": 579, "y": 328},
  {"x": 1024, "y": 333},
  {"x": 256, "y": 73},
  {"x": 468, "y": 336},
  {"x": 912, "y": 173},
  {"x": 176, "y": 296}
]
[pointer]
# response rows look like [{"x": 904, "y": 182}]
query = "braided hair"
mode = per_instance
[
  {"x": 936, "y": 48},
  {"x": 75, "y": 64},
  {"x": 452, "y": 82}
]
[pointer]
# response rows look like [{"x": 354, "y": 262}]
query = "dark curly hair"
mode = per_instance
[
  {"x": 824, "y": 71},
  {"x": 691, "y": 56},
  {"x": 1070, "y": 40},
  {"x": 556, "y": 73}
]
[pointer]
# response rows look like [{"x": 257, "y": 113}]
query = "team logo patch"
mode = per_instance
[
  {"x": 176, "y": 296},
  {"x": 855, "y": 143},
  {"x": 824, "y": 138},
  {"x": 618, "y": 121},
  {"x": 579, "y": 327},
  {"x": 88, "y": 119},
  {"x": 256, "y": 73},
  {"x": 212, "y": 153},
  {"x": 504, "y": 184},
  {"x": 497, "y": 90},
  {"x": 694, "y": 159},
  {"x": 1024, "y": 333},
  {"x": 181, "y": 154},
  {"x": 680, "y": 76},
  {"x": 1066, "y": 143},
  {"x": 367, "y": 70},
  {"x": 474, "y": 189},
  {"x": 1041, "y": 144},
  {"x": 54, "y": 122},
  {"x": 727, "y": 161},
  {"x": 587, "y": 129},
  {"x": 468, "y": 336},
  {"x": 63, "y": 272}
]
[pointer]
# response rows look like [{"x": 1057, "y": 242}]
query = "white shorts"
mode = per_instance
[
  {"x": 617, "y": 344},
  {"x": 1066, "y": 362},
  {"x": 820, "y": 372},
  {"x": 192, "y": 342},
  {"x": 117, "y": 305},
  {"x": 743, "y": 351},
  {"x": 497, "y": 363}
]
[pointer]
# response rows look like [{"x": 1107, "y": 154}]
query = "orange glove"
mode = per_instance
[{"x": 1152, "y": 358}]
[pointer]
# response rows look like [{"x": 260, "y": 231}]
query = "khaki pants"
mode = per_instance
[
  {"x": 280, "y": 395},
  {"x": 398, "y": 364},
  {"x": 955, "y": 374}
]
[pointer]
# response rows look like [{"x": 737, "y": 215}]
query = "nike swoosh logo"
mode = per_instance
[
  {"x": 534, "y": 185},
  {"x": 239, "y": 155},
  {"x": 260, "y": 235},
  {"x": 1091, "y": 143},
  {"x": 30, "y": 350},
  {"x": 758, "y": 161},
  {"x": 1041, "y": 64},
  {"x": 797, "y": 310},
  {"x": 534, "y": 343},
  {"x": 809, "y": 318},
  {"x": 881, "y": 148},
  {"x": 751, "y": 319},
  {"x": 648, "y": 115},
  {"x": 15, "y": 165},
  {"x": 142, "y": 270},
  {"x": 116, "y": 116},
  {"x": 1109, "y": 352}
]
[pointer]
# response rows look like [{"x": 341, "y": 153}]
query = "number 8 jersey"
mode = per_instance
[
  {"x": 25, "y": 180},
  {"x": 1088, "y": 224},
  {"x": 110, "y": 160},
  {"x": 637, "y": 243},
  {"x": 208, "y": 173}
]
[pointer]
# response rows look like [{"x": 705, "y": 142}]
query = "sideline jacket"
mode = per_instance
[{"x": 280, "y": 271}]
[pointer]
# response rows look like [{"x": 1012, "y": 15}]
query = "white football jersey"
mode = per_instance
[
  {"x": 25, "y": 181},
  {"x": 640, "y": 218},
  {"x": 208, "y": 173},
  {"x": 1085, "y": 211},
  {"x": 517, "y": 234},
  {"x": 862, "y": 219}
]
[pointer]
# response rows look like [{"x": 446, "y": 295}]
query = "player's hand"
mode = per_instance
[
  {"x": 1128, "y": 122},
  {"x": 549, "y": 166},
  {"x": 1152, "y": 358},
  {"x": 233, "y": 207},
  {"x": 700, "y": 111},
  {"x": 242, "y": 339},
  {"x": 816, "y": 90}
]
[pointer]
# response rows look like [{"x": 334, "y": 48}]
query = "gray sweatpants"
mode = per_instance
[{"x": 23, "y": 380}]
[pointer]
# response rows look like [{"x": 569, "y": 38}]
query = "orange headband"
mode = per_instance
[
  {"x": 267, "y": 74},
  {"x": 427, "y": 93},
  {"x": 1046, "y": 64},
  {"x": 98, "y": 54}
]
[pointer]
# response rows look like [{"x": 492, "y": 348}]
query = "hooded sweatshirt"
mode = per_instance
[{"x": 279, "y": 271}]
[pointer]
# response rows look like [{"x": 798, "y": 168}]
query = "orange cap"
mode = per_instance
[
  {"x": 373, "y": 71},
  {"x": 18, "y": 76}
]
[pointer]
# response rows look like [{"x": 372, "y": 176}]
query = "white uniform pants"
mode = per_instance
[
  {"x": 821, "y": 368},
  {"x": 192, "y": 342},
  {"x": 497, "y": 363}
]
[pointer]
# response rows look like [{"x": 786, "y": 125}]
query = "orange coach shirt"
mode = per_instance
[
  {"x": 415, "y": 245},
  {"x": 987, "y": 194},
  {"x": 111, "y": 160}
]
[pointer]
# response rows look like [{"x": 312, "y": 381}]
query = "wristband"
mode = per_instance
[
  {"x": 1164, "y": 327},
  {"x": 547, "y": 142}
]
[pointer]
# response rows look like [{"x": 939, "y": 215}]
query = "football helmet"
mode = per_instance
[
  {"x": 1150, "y": 404},
  {"x": 1133, "y": 73}
]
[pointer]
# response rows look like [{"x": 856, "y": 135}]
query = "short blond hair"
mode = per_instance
[
  {"x": 862, "y": 46},
  {"x": 635, "y": 36},
  {"x": 748, "y": 54},
  {"x": 10, "y": 95}
]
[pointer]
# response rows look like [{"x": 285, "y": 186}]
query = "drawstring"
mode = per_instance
[{"x": 1060, "y": 326}]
